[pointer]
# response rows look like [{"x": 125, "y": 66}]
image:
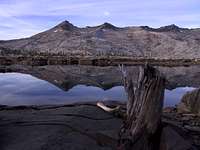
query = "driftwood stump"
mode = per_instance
[{"x": 141, "y": 130}]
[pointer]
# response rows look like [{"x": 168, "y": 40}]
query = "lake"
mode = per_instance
[{"x": 24, "y": 89}]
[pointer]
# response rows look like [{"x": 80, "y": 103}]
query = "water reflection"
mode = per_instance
[{"x": 24, "y": 89}]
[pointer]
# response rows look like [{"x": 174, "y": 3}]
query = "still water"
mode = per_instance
[{"x": 23, "y": 89}]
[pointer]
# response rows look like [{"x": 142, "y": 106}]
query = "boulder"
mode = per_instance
[{"x": 190, "y": 102}]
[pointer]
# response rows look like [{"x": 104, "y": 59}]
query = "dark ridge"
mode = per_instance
[
  {"x": 169, "y": 28},
  {"x": 147, "y": 28},
  {"x": 66, "y": 25},
  {"x": 108, "y": 26}
]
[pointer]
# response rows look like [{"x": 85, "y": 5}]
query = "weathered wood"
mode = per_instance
[
  {"x": 106, "y": 108},
  {"x": 144, "y": 109},
  {"x": 117, "y": 111}
]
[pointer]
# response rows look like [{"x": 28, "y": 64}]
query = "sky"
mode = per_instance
[{"x": 24, "y": 18}]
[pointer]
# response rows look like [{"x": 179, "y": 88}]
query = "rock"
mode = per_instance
[
  {"x": 73, "y": 127},
  {"x": 172, "y": 140},
  {"x": 108, "y": 26},
  {"x": 65, "y": 25},
  {"x": 170, "y": 28},
  {"x": 190, "y": 102},
  {"x": 193, "y": 129},
  {"x": 182, "y": 108},
  {"x": 169, "y": 109},
  {"x": 78, "y": 126}
]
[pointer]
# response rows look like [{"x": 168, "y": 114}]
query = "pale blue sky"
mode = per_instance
[{"x": 23, "y": 18}]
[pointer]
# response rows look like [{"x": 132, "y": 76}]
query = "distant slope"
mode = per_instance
[{"x": 106, "y": 39}]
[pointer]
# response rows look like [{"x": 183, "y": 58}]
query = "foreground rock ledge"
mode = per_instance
[{"x": 75, "y": 127}]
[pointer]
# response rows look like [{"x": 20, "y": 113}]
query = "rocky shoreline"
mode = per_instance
[
  {"x": 186, "y": 123},
  {"x": 47, "y": 59},
  {"x": 81, "y": 126}
]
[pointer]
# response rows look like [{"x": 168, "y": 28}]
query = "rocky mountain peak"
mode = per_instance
[
  {"x": 65, "y": 25},
  {"x": 173, "y": 28},
  {"x": 108, "y": 26},
  {"x": 147, "y": 28},
  {"x": 169, "y": 28}
]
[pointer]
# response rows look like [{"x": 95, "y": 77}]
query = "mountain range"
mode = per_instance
[{"x": 106, "y": 39}]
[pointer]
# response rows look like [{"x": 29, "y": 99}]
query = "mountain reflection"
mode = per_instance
[{"x": 44, "y": 85}]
